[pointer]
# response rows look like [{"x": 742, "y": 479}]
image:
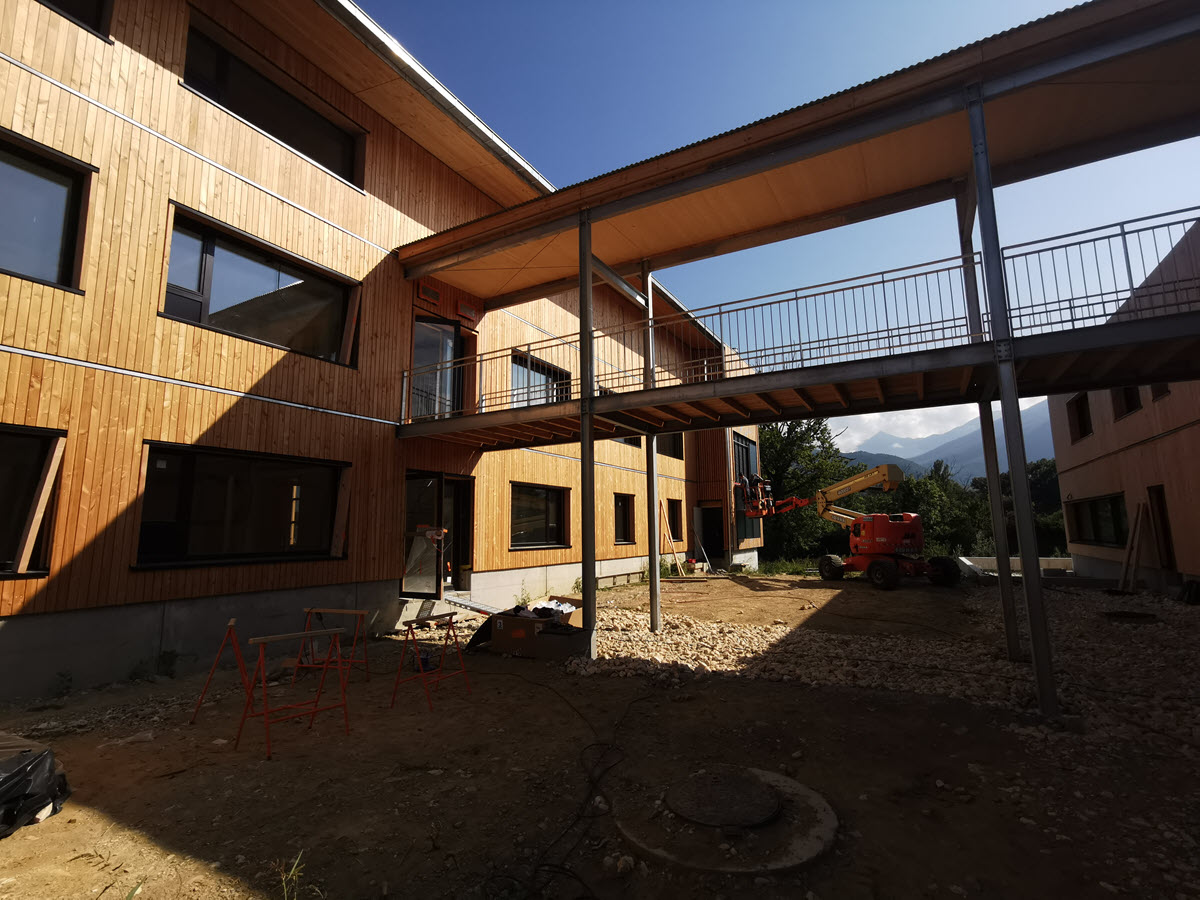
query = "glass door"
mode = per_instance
[
  {"x": 436, "y": 386},
  {"x": 439, "y": 529},
  {"x": 422, "y": 536}
]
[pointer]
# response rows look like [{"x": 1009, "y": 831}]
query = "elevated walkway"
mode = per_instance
[{"x": 1111, "y": 306}]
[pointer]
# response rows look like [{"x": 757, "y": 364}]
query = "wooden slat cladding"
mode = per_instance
[
  {"x": 620, "y": 469},
  {"x": 268, "y": 192},
  {"x": 116, "y": 321},
  {"x": 96, "y": 513},
  {"x": 159, "y": 149}
]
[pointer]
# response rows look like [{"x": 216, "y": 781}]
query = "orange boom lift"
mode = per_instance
[{"x": 882, "y": 545}]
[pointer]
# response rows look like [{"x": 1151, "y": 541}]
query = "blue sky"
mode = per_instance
[{"x": 579, "y": 89}]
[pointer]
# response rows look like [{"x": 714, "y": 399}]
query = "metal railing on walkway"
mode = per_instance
[{"x": 1141, "y": 268}]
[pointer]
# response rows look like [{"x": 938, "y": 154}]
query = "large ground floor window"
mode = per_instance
[
  {"x": 1099, "y": 520},
  {"x": 210, "y": 506},
  {"x": 539, "y": 516}
]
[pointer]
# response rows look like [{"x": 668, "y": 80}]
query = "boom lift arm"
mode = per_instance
[{"x": 759, "y": 503}]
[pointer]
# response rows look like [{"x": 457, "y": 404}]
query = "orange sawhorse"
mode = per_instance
[
  {"x": 360, "y": 634},
  {"x": 308, "y": 708},
  {"x": 230, "y": 638},
  {"x": 434, "y": 675}
]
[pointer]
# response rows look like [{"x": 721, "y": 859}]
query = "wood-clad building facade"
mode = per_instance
[{"x": 204, "y": 332}]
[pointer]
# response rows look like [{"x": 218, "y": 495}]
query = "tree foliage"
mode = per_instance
[{"x": 799, "y": 458}]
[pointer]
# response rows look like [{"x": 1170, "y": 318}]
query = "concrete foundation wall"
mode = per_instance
[
  {"x": 504, "y": 588},
  {"x": 747, "y": 558},
  {"x": 47, "y": 654}
]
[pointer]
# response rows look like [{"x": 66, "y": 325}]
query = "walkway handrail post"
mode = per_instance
[
  {"x": 1010, "y": 407},
  {"x": 1128, "y": 264},
  {"x": 653, "y": 535},
  {"x": 404, "y": 397},
  {"x": 587, "y": 445}
]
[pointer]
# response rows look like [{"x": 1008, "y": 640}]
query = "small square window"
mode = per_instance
[
  {"x": 1079, "y": 417},
  {"x": 675, "y": 520},
  {"x": 1126, "y": 400},
  {"x": 1159, "y": 389},
  {"x": 623, "y": 530},
  {"x": 539, "y": 516}
]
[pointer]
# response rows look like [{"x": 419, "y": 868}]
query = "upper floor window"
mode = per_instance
[
  {"x": 39, "y": 227},
  {"x": 221, "y": 76},
  {"x": 29, "y": 463},
  {"x": 1079, "y": 417},
  {"x": 671, "y": 444},
  {"x": 92, "y": 14},
  {"x": 535, "y": 381},
  {"x": 1159, "y": 389},
  {"x": 215, "y": 281},
  {"x": 1126, "y": 400}
]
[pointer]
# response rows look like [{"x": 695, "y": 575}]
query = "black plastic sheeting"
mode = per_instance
[{"x": 30, "y": 780}]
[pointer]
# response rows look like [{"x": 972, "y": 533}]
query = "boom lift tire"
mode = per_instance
[
  {"x": 831, "y": 568},
  {"x": 944, "y": 571},
  {"x": 884, "y": 574}
]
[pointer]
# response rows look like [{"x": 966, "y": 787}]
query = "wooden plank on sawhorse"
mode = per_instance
[
  {"x": 344, "y": 663},
  {"x": 308, "y": 708}
]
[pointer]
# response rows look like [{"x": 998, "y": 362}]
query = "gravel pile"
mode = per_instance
[{"x": 1127, "y": 677}]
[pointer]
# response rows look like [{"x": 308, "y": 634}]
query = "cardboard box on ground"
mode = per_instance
[{"x": 524, "y": 636}]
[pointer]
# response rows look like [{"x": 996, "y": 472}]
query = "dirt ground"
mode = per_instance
[{"x": 849, "y": 690}]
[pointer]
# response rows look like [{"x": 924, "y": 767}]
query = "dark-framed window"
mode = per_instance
[
  {"x": 623, "y": 528},
  {"x": 436, "y": 389},
  {"x": 1079, "y": 417},
  {"x": 745, "y": 462},
  {"x": 1159, "y": 389},
  {"x": 535, "y": 382},
  {"x": 539, "y": 516},
  {"x": 675, "y": 519},
  {"x": 671, "y": 444},
  {"x": 207, "y": 506},
  {"x": 94, "y": 15},
  {"x": 1098, "y": 520},
  {"x": 229, "y": 81},
  {"x": 27, "y": 494},
  {"x": 1126, "y": 400},
  {"x": 42, "y": 215},
  {"x": 235, "y": 287}
]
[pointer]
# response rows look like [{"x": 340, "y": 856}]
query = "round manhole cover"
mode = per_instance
[{"x": 724, "y": 797}]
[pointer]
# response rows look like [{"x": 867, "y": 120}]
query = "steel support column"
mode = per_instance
[
  {"x": 587, "y": 443},
  {"x": 964, "y": 202},
  {"x": 653, "y": 538},
  {"x": 1008, "y": 608},
  {"x": 1010, "y": 408}
]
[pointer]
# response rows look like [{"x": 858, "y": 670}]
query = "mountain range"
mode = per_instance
[{"x": 961, "y": 448}]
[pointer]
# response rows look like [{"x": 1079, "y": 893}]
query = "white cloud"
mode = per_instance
[{"x": 909, "y": 423}]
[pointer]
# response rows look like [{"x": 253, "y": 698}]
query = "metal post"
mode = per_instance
[
  {"x": 404, "y": 398},
  {"x": 652, "y": 516},
  {"x": 1008, "y": 608},
  {"x": 587, "y": 445},
  {"x": 965, "y": 204},
  {"x": 1010, "y": 409}
]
